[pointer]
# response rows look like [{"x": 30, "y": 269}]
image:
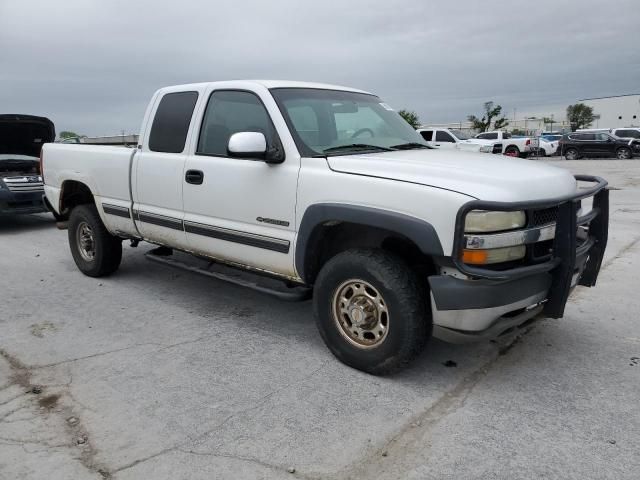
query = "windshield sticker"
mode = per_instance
[{"x": 386, "y": 107}]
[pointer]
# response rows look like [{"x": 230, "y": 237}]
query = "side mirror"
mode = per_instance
[
  {"x": 247, "y": 144},
  {"x": 254, "y": 145}
]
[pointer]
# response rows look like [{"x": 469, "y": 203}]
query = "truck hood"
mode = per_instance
[
  {"x": 24, "y": 134},
  {"x": 480, "y": 175}
]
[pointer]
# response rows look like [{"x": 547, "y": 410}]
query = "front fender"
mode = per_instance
[{"x": 420, "y": 232}]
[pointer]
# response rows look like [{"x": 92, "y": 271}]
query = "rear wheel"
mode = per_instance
[
  {"x": 571, "y": 154},
  {"x": 371, "y": 310},
  {"x": 512, "y": 151},
  {"x": 623, "y": 153},
  {"x": 96, "y": 252}
]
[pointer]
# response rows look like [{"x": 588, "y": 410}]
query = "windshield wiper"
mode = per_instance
[
  {"x": 410, "y": 146},
  {"x": 351, "y": 146}
]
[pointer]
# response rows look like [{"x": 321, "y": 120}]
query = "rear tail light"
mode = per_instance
[
  {"x": 41, "y": 164},
  {"x": 528, "y": 142}
]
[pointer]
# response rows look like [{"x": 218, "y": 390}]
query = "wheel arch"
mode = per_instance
[
  {"x": 327, "y": 229},
  {"x": 72, "y": 194}
]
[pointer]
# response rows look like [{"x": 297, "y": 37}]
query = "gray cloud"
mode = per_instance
[{"x": 91, "y": 65}]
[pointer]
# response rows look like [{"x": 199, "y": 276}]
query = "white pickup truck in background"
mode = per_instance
[
  {"x": 450, "y": 138},
  {"x": 329, "y": 190},
  {"x": 512, "y": 146}
]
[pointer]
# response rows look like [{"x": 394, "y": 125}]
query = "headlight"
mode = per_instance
[{"x": 489, "y": 221}]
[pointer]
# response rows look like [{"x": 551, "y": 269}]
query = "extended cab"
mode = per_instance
[
  {"x": 21, "y": 139},
  {"x": 328, "y": 188}
]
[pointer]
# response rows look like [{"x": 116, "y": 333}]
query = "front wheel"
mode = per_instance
[
  {"x": 96, "y": 252},
  {"x": 371, "y": 310}
]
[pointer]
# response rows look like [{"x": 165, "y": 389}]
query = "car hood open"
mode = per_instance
[
  {"x": 480, "y": 175},
  {"x": 24, "y": 134}
]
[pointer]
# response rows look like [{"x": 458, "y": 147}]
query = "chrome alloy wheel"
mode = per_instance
[
  {"x": 86, "y": 241},
  {"x": 360, "y": 313}
]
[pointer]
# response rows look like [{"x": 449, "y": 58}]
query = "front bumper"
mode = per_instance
[
  {"x": 485, "y": 303},
  {"x": 15, "y": 203}
]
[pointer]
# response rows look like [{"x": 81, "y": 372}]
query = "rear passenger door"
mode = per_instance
[
  {"x": 157, "y": 173},
  {"x": 243, "y": 209}
]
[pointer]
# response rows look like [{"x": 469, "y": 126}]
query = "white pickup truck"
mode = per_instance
[
  {"x": 328, "y": 189},
  {"x": 450, "y": 138},
  {"x": 511, "y": 146}
]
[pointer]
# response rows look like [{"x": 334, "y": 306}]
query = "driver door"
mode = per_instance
[{"x": 240, "y": 210}]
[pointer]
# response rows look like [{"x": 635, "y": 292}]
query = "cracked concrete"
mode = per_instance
[{"x": 176, "y": 376}]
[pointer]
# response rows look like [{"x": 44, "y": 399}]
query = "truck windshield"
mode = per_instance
[{"x": 334, "y": 122}]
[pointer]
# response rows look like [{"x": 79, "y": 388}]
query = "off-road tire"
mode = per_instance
[
  {"x": 108, "y": 249},
  {"x": 405, "y": 297}
]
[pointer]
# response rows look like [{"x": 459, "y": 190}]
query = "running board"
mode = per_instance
[{"x": 289, "y": 294}]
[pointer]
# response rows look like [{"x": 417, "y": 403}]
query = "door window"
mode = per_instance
[
  {"x": 171, "y": 122},
  {"x": 229, "y": 112},
  {"x": 444, "y": 137}
]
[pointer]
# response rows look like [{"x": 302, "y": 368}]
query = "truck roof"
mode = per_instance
[{"x": 264, "y": 83}]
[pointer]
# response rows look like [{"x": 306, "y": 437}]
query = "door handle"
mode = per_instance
[{"x": 194, "y": 177}]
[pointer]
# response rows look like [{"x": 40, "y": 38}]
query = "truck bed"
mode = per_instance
[{"x": 104, "y": 169}]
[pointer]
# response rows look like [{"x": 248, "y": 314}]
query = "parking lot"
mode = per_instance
[{"x": 155, "y": 373}]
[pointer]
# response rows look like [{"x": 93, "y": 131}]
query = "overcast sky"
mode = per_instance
[{"x": 92, "y": 65}]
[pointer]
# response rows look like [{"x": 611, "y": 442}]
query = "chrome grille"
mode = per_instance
[{"x": 27, "y": 183}]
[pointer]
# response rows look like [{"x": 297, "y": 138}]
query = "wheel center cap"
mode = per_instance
[{"x": 357, "y": 316}]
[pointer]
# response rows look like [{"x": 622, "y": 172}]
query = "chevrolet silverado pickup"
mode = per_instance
[
  {"x": 327, "y": 188},
  {"x": 21, "y": 139}
]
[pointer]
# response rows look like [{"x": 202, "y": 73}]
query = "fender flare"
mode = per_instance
[{"x": 420, "y": 232}]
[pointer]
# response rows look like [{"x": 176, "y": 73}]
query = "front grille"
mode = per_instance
[
  {"x": 544, "y": 216},
  {"x": 30, "y": 183}
]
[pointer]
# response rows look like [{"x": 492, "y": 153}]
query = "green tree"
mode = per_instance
[
  {"x": 67, "y": 134},
  {"x": 491, "y": 112},
  {"x": 579, "y": 116},
  {"x": 411, "y": 117}
]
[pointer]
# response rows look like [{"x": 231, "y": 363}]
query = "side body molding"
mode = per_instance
[{"x": 418, "y": 231}]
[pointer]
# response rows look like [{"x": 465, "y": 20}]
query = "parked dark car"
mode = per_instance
[
  {"x": 597, "y": 144},
  {"x": 21, "y": 185}
]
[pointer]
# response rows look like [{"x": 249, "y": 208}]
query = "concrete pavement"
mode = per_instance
[{"x": 153, "y": 373}]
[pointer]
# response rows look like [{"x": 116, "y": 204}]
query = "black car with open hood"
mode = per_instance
[{"x": 21, "y": 139}]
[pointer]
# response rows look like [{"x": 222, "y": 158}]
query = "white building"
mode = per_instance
[{"x": 615, "y": 112}]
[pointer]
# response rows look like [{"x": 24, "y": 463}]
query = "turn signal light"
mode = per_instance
[{"x": 493, "y": 255}]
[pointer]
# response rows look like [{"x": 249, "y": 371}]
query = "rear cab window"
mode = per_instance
[{"x": 171, "y": 122}]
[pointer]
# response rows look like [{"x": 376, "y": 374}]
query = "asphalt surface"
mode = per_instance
[{"x": 156, "y": 373}]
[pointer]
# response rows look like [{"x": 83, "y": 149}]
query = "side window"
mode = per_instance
[
  {"x": 628, "y": 133},
  {"x": 229, "y": 112},
  {"x": 427, "y": 135},
  {"x": 171, "y": 122},
  {"x": 482, "y": 136},
  {"x": 602, "y": 137},
  {"x": 444, "y": 137},
  {"x": 505, "y": 135}
]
